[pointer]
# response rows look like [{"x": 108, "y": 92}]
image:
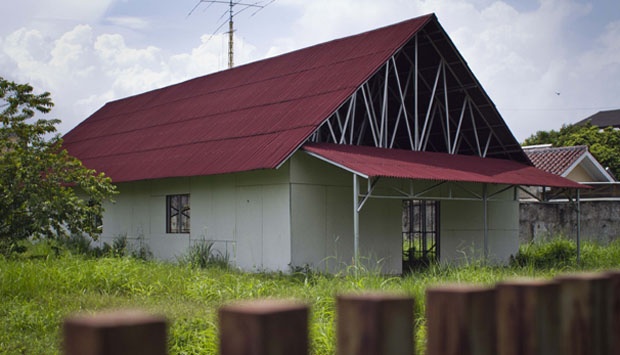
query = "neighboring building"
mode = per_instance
[
  {"x": 603, "y": 119},
  {"x": 574, "y": 163},
  {"x": 314, "y": 157},
  {"x": 557, "y": 214},
  {"x": 577, "y": 164}
]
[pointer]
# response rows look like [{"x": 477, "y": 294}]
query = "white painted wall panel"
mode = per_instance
[
  {"x": 462, "y": 229},
  {"x": 248, "y": 222},
  {"x": 308, "y": 225},
  {"x": 302, "y": 215},
  {"x": 249, "y": 228},
  {"x": 309, "y": 170},
  {"x": 381, "y": 235},
  {"x": 322, "y": 221},
  {"x": 221, "y": 208},
  {"x": 276, "y": 227},
  {"x": 339, "y": 226}
]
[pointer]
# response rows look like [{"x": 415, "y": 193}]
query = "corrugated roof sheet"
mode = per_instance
[
  {"x": 250, "y": 117},
  {"x": 555, "y": 160},
  {"x": 406, "y": 164}
]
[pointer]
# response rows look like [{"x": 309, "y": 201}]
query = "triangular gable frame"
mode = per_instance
[
  {"x": 594, "y": 168},
  {"x": 424, "y": 98}
]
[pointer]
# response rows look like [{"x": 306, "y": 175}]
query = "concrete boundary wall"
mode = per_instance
[{"x": 600, "y": 220}]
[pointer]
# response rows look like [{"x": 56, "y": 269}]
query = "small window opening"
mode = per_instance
[{"x": 177, "y": 214}]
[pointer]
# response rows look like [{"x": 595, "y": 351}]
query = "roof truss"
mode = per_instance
[{"x": 424, "y": 98}]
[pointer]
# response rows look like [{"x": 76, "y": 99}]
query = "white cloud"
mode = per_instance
[
  {"x": 83, "y": 70},
  {"x": 521, "y": 57},
  {"x": 606, "y": 54},
  {"x": 324, "y": 20},
  {"x": 71, "y": 51},
  {"x": 23, "y": 46},
  {"x": 76, "y": 10},
  {"x": 135, "y": 23},
  {"x": 113, "y": 52}
]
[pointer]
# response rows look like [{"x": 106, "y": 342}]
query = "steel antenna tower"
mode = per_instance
[{"x": 259, "y": 5}]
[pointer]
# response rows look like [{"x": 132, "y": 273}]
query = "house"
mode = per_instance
[
  {"x": 599, "y": 206},
  {"x": 603, "y": 119},
  {"x": 312, "y": 158},
  {"x": 575, "y": 163}
]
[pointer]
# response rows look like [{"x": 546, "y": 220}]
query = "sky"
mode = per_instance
[{"x": 544, "y": 63}]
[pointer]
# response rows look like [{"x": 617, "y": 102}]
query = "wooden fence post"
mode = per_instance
[
  {"x": 460, "y": 320},
  {"x": 584, "y": 314},
  {"x": 374, "y": 324},
  {"x": 613, "y": 334},
  {"x": 267, "y": 327},
  {"x": 527, "y": 316},
  {"x": 115, "y": 333}
]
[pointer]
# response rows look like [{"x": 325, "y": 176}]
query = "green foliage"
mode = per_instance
[
  {"x": 120, "y": 247},
  {"x": 604, "y": 144},
  {"x": 202, "y": 255},
  {"x": 556, "y": 253},
  {"x": 37, "y": 293},
  {"x": 45, "y": 191}
]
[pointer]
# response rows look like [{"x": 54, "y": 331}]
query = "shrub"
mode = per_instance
[
  {"x": 141, "y": 250},
  {"x": 202, "y": 255},
  {"x": 556, "y": 253},
  {"x": 76, "y": 243}
]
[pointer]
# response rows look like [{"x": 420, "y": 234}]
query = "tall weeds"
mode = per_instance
[{"x": 36, "y": 293}]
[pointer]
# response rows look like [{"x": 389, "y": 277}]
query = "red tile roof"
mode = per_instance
[
  {"x": 555, "y": 160},
  {"x": 406, "y": 164},
  {"x": 250, "y": 117}
]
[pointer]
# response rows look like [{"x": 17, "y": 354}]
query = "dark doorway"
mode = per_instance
[{"x": 420, "y": 233}]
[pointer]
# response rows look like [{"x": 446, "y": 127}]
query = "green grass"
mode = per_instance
[{"x": 38, "y": 291}]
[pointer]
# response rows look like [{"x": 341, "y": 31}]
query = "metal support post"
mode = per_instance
[
  {"x": 578, "y": 228},
  {"x": 486, "y": 221},
  {"x": 356, "y": 221}
]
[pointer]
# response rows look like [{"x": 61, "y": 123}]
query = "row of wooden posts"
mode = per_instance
[{"x": 572, "y": 314}]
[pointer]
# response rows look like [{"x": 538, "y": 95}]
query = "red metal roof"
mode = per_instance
[
  {"x": 250, "y": 117},
  {"x": 406, "y": 164},
  {"x": 555, "y": 160}
]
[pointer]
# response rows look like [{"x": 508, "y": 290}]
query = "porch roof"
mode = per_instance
[{"x": 395, "y": 163}]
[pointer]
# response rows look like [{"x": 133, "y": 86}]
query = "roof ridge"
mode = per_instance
[
  {"x": 236, "y": 68},
  {"x": 545, "y": 149},
  {"x": 103, "y": 117}
]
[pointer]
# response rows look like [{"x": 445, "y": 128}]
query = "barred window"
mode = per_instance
[{"x": 177, "y": 213}]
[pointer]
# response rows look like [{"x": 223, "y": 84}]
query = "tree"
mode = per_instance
[
  {"x": 604, "y": 144},
  {"x": 45, "y": 191}
]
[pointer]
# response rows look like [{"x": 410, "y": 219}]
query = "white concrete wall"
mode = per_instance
[
  {"x": 462, "y": 228},
  {"x": 246, "y": 214},
  {"x": 322, "y": 221},
  {"x": 302, "y": 214}
]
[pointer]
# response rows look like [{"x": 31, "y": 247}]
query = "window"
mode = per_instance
[{"x": 177, "y": 213}]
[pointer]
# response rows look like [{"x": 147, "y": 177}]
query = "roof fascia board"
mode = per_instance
[
  {"x": 600, "y": 168},
  {"x": 591, "y": 165},
  {"x": 337, "y": 164}
]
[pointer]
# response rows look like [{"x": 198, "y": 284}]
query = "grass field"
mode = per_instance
[{"x": 38, "y": 291}]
